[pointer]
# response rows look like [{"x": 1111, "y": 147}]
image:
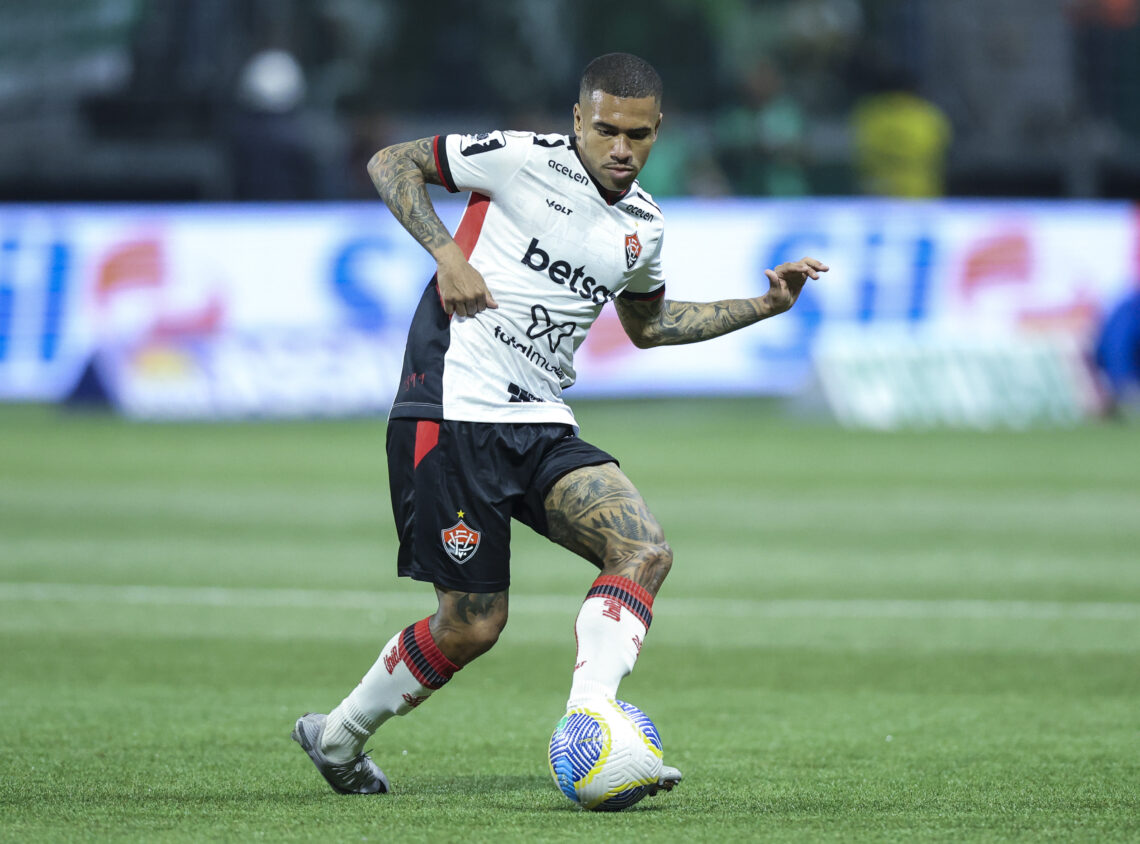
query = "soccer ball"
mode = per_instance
[{"x": 605, "y": 755}]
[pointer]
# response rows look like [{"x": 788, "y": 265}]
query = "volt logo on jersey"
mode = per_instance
[
  {"x": 543, "y": 326},
  {"x": 632, "y": 250},
  {"x": 460, "y": 541}
]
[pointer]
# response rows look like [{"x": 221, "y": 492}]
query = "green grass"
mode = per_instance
[{"x": 919, "y": 636}]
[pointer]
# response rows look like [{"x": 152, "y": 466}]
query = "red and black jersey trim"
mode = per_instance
[
  {"x": 651, "y": 296},
  {"x": 423, "y": 657},
  {"x": 420, "y": 394},
  {"x": 439, "y": 150},
  {"x": 645, "y": 198},
  {"x": 630, "y": 595}
]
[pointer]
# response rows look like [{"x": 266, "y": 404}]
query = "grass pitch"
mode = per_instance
[{"x": 919, "y": 636}]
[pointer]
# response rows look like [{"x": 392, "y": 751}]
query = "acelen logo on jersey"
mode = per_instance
[
  {"x": 638, "y": 212},
  {"x": 560, "y": 272}
]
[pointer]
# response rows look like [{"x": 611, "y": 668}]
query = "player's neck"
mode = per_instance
[{"x": 610, "y": 196}]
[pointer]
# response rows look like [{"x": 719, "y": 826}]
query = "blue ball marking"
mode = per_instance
[
  {"x": 564, "y": 772},
  {"x": 624, "y": 799},
  {"x": 647, "y": 727},
  {"x": 575, "y": 747}
]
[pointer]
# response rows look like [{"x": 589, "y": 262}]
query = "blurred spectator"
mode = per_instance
[
  {"x": 901, "y": 140},
  {"x": 811, "y": 41},
  {"x": 684, "y": 163},
  {"x": 820, "y": 38},
  {"x": 1118, "y": 353},
  {"x": 1107, "y": 43},
  {"x": 186, "y": 54},
  {"x": 271, "y": 154},
  {"x": 1002, "y": 70},
  {"x": 761, "y": 138},
  {"x": 1043, "y": 95}
]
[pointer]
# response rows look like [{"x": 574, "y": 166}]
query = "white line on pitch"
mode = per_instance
[{"x": 220, "y": 596}]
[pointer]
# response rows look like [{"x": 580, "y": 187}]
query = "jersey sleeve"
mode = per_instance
[
  {"x": 649, "y": 281},
  {"x": 480, "y": 162}
]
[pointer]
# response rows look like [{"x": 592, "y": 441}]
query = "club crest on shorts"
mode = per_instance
[
  {"x": 460, "y": 541},
  {"x": 632, "y": 250}
]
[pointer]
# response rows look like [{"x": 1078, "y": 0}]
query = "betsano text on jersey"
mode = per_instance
[{"x": 561, "y": 273}]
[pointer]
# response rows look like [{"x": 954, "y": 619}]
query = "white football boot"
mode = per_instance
[{"x": 670, "y": 776}]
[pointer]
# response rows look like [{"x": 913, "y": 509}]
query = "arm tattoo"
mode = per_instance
[
  {"x": 400, "y": 174},
  {"x": 669, "y": 323}
]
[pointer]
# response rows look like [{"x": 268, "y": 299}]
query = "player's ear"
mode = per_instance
[{"x": 578, "y": 121}]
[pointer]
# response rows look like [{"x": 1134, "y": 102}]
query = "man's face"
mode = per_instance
[{"x": 615, "y": 135}]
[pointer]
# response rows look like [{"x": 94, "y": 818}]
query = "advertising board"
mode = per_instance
[{"x": 282, "y": 310}]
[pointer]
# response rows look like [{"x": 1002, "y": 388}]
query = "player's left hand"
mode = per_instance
[{"x": 787, "y": 280}]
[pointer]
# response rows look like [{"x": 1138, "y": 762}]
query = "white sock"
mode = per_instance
[
  {"x": 610, "y": 630},
  {"x": 409, "y": 669}
]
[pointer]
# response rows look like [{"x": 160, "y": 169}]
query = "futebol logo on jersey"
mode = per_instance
[
  {"x": 460, "y": 541},
  {"x": 632, "y": 250}
]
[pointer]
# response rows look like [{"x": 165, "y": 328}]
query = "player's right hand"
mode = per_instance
[
  {"x": 787, "y": 281},
  {"x": 462, "y": 290}
]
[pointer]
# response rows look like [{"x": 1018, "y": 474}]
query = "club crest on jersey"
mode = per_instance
[
  {"x": 460, "y": 541},
  {"x": 632, "y": 250}
]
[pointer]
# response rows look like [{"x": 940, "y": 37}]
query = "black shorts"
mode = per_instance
[{"x": 456, "y": 485}]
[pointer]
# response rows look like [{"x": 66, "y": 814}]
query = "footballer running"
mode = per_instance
[{"x": 556, "y": 226}]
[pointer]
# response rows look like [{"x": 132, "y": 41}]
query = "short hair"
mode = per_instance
[{"x": 620, "y": 75}]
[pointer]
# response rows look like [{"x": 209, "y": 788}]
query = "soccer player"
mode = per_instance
[{"x": 556, "y": 226}]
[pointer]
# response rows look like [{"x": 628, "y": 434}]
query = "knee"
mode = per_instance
[
  {"x": 648, "y": 564},
  {"x": 463, "y": 637},
  {"x": 482, "y": 634},
  {"x": 658, "y": 561}
]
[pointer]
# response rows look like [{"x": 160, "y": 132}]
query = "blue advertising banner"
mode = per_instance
[{"x": 216, "y": 311}]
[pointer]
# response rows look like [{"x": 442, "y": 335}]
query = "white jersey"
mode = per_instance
[{"x": 553, "y": 246}]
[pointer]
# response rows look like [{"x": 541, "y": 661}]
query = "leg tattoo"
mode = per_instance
[
  {"x": 467, "y": 624},
  {"x": 598, "y": 514}
]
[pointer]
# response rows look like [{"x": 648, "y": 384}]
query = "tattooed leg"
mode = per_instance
[
  {"x": 467, "y": 624},
  {"x": 598, "y": 514}
]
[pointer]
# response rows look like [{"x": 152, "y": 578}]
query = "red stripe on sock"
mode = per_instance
[
  {"x": 634, "y": 589},
  {"x": 431, "y": 650}
]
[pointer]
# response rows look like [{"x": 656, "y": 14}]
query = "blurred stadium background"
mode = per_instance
[
  {"x": 173, "y": 99},
  {"x": 923, "y": 635},
  {"x": 187, "y": 229}
]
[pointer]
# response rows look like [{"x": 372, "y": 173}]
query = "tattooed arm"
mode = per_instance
[
  {"x": 669, "y": 323},
  {"x": 401, "y": 174}
]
